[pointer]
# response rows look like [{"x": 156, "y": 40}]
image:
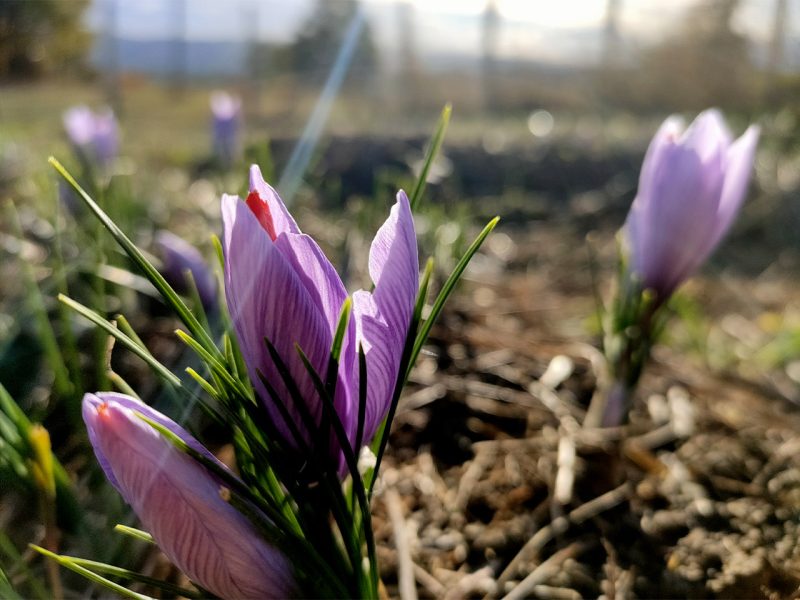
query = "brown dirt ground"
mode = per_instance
[{"x": 492, "y": 488}]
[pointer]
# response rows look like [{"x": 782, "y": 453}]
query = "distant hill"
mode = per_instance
[{"x": 196, "y": 59}]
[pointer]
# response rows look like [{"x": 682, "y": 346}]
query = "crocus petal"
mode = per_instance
[
  {"x": 394, "y": 267},
  {"x": 225, "y": 127},
  {"x": 383, "y": 318},
  {"x": 267, "y": 299},
  {"x": 327, "y": 292},
  {"x": 738, "y": 169},
  {"x": 179, "y": 503},
  {"x": 674, "y": 210},
  {"x": 707, "y": 135},
  {"x": 79, "y": 124},
  {"x": 382, "y": 360},
  {"x": 282, "y": 220},
  {"x": 93, "y": 133}
]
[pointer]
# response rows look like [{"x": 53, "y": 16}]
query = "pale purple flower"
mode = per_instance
[
  {"x": 280, "y": 286},
  {"x": 179, "y": 256},
  {"x": 226, "y": 113},
  {"x": 179, "y": 501},
  {"x": 95, "y": 134},
  {"x": 691, "y": 187}
]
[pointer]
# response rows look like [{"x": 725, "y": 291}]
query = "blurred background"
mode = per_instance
[{"x": 554, "y": 103}]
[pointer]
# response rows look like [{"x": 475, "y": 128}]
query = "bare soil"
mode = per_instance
[{"x": 493, "y": 489}]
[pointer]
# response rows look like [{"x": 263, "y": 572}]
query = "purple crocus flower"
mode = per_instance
[
  {"x": 93, "y": 133},
  {"x": 226, "y": 111},
  {"x": 179, "y": 256},
  {"x": 179, "y": 502},
  {"x": 691, "y": 187},
  {"x": 280, "y": 286}
]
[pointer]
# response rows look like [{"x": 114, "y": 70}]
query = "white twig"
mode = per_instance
[{"x": 407, "y": 586}]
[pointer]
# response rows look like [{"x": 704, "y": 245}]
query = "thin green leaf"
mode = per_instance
[
  {"x": 230, "y": 357},
  {"x": 209, "y": 389},
  {"x": 99, "y": 567},
  {"x": 169, "y": 294},
  {"x": 120, "y": 383},
  {"x": 350, "y": 459},
  {"x": 197, "y": 303},
  {"x": 434, "y": 145},
  {"x": 382, "y": 436},
  {"x": 6, "y": 589},
  {"x": 297, "y": 398},
  {"x": 12, "y": 410},
  {"x": 220, "y": 253},
  {"x": 215, "y": 364},
  {"x": 134, "y": 533},
  {"x": 128, "y": 330},
  {"x": 362, "y": 397},
  {"x": 447, "y": 289},
  {"x": 21, "y": 566},
  {"x": 341, "y": 329},
  {"x": 130, "y": 344},
  {"x": 91, "y": 575}
]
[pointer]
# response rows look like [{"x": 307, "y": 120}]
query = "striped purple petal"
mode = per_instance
[
  {"x": 179, "y": 502},
  {"x": 383, "y": 316},
  {"x": 691, "y": 187},
  {"x": 267, "y": 298}
]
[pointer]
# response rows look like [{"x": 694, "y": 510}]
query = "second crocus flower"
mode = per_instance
[
  {"x": 691, "y": 187},
  {"x": 94, "y": 134},
  {"x": 178, "y": 257},
  {"x": 280, "y": 287},
  {"x": 226, "y": 116},
  {"x": 181, "y": 503}
]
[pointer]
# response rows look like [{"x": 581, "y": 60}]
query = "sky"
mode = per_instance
[{"x": 543, "y": 30}]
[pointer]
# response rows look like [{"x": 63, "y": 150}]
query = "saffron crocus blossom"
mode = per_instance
[
  {"x": 225, "y": 125},
  {"x": 93, "y": 133},
  {"x": 281, "y": 287},
  {"x": 179, "y": 501},
  {"x": 691, "y": 187},
  {"x": 179, "y": 256}
]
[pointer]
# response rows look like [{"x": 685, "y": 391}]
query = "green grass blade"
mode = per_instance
[
  {"x": 434, "y": 146},
  {"x": 106, "y": 569},
  {"x": 381, "y": 439},
  {"x": 447, "y": 289},
  {"x": 209, "y": 389},
  {"x": 6, "y": 589},
  {"x": 215, "y": 364},
  {"x": 169, "y": 294},
  {"x": 134, "y": 533},
  {"x": 126, "y": 341},
  {"x": 126, "y": 328},
  {"x": 68, "y": 563},
  {"x": 352, "y": 465}
]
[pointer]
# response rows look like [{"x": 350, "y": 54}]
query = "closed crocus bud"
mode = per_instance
[
  {"x": 226, "y": 113},
  {"x": 181, "y": 503},
  {"x": 691, "y": 187},
  {"x": 280, "y": 286},
  {"x": 179, "y": 256},
  {"x": 94, "y": 133}
]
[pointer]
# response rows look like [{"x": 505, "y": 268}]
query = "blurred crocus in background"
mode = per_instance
[
  {"x": 692, "y": 185},
  {"x": 281, "y": 287},
  {"x": 226, "y": 114},
  {"x": 93, "y": 134},
  {"x": 178, "y": 256},
  {"x": 181, "y": 503}
]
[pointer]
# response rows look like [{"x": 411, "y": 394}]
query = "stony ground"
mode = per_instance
[{"x": 494, "y": 489}]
